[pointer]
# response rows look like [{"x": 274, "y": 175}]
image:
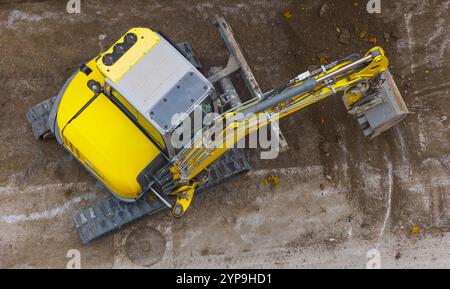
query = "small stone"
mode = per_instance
[
  {"x": 326, "y": 147},
  {"x": 344, "y": 36},
  {"x": 324, "y": 10},
  {"x": 328, "y": 177},
  {"x": 394, "y": 35}
]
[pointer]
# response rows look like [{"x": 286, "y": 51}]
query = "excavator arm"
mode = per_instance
[
  {"x": 368, "y": 91},
  {"x": 342, "y": 76}
]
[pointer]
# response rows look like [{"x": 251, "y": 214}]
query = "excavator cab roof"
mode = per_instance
[{"x": 154, "y": 77}]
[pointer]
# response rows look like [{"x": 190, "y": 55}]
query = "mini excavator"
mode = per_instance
[{"x": 118, "y": 112}]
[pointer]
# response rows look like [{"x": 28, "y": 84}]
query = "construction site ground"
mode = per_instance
[{"x": 339, "y": 195}]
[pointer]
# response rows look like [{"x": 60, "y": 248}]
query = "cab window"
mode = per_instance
[{"x": 151, "y": 130}]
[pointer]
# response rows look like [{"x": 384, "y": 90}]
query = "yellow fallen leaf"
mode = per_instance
[
  {"x": 372, "y": 40},
  {"x": 415, "y": 229},
  {"x": 272, "y": 182},
  {"x": 362, "y": 34},
  {"x": 324, "y": 60},
  {"x": 287, "y": 14}
]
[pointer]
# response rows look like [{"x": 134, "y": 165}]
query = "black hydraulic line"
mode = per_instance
[
  {"x": 284, "y": 86},
  {"x": 168, "y": 39},
  {"x": 80, "y": 111},
  {"x": 306, "y": 86},
  {"x": 277, "y": 90}
]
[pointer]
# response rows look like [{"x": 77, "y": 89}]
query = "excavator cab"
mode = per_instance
[{"x": 155, "y": 80}]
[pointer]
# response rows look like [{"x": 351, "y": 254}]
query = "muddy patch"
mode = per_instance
[{"x": 145, "y": 246}]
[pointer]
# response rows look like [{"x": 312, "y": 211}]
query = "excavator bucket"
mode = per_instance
[{"x": 381, "y": 111}]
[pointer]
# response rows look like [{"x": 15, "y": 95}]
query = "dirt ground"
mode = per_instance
[{"x": 339, "y": 195}]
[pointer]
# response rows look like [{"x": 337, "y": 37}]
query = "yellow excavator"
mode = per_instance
[{"x": 119, "y": 113}]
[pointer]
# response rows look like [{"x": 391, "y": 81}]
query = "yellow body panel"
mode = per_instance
[
  {"x": 114, "y": 148},
  {"x": 146, "y": 40},
  {"x": 102, "y": 137},
  {"x": 77, "y": 94}
]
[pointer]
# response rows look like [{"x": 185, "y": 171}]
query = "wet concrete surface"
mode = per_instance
[{"x": 339, "y": 195}]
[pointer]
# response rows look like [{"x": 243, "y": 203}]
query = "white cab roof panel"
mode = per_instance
[{"x": 161, "y": 84}]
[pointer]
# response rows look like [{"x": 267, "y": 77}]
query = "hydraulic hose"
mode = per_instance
[{"x": 306, "y": 86}]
